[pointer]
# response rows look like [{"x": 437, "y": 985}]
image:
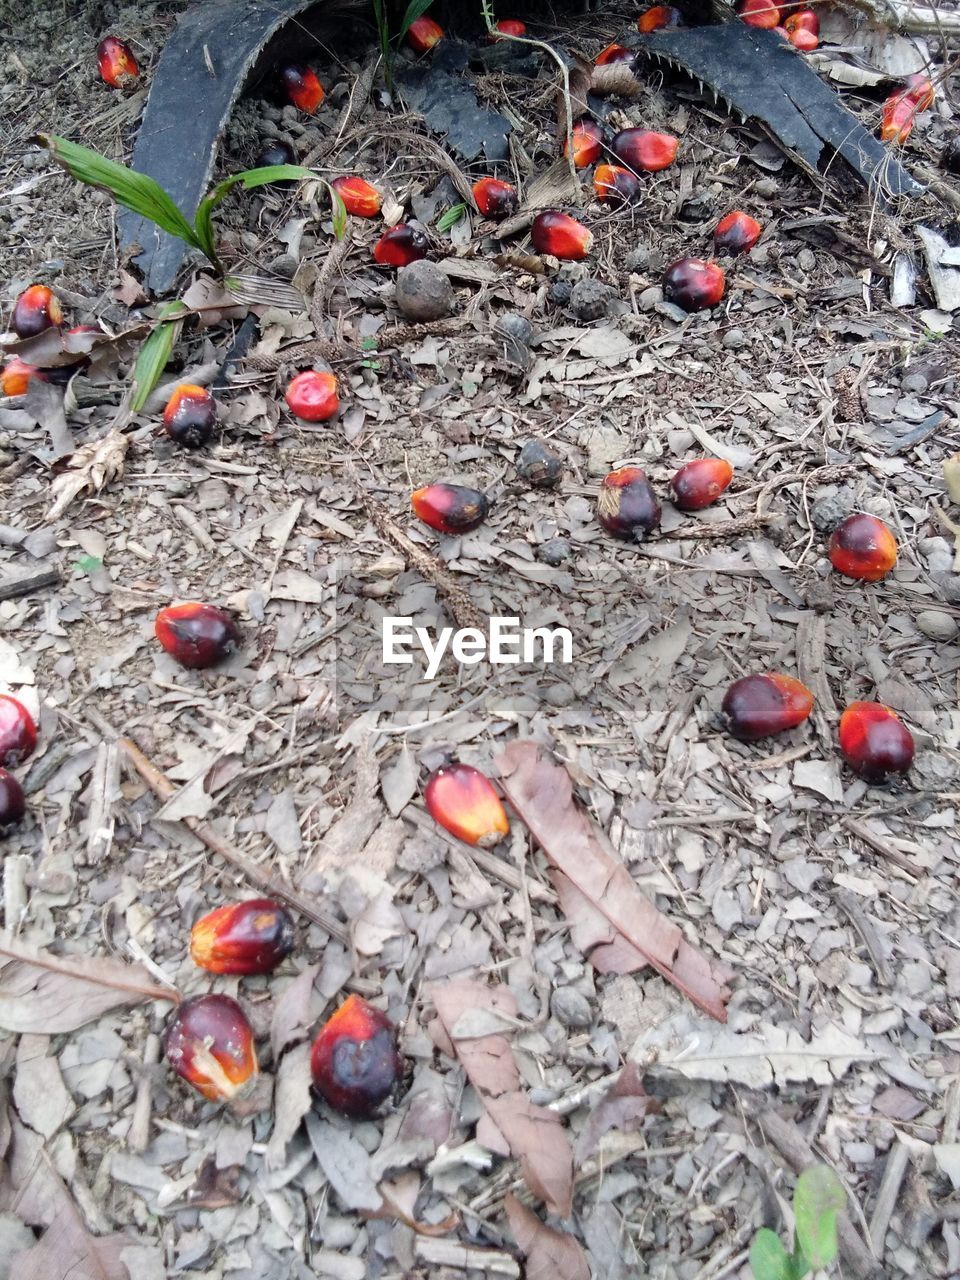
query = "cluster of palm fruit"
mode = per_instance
[{"x": 36, "y": 310}]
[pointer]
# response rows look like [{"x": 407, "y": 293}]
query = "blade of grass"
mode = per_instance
[
  {"x": 383, "y": 32},
  {"x": 415, "y": 9},
  {"x": 155, "y": 352},
  {"x": 451, "y": 217}
]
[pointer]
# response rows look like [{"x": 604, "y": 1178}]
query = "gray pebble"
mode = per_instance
[
  {"x": 591, "y": 299},
  {"x": 735, "y": 339},
  {"x": 830, "y": 507},
  {"x": 937, "y": 625},
  {"x": 423, "y": 292},
  {"x": 554, "y": 551},
  {"x": 914, "y": 382},
  {"x": 650, "y": 298},
  {"x": 938, "y": 554},
  {"x": 571, "y": 1008}
]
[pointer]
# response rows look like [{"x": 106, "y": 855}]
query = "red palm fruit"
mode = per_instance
[
  {"x": 875, "y": 741},
  {"x": 782, "y": 32},
  {"x": 313, "y": 396},
  {"x": 495, "y": 198},
  {"x": 400, "y": 246},
  {"x": 587, "y": 137},
  {"x": 38, "y": 308},
  {"x": 18, "y": 733},
  {"x": 759, "y": 13},
  {"x": 899, "y": 114},
  {"x": 615, "y": 53},
  {"x": 16, "y": 376},
  {"x": 358, "y": 196},
  {"x": 918, "y": 88},
  {"x": 614, "y": 185},
  {"x": 736, "y": 233},
  {"x": 645, "y": 151},
  {"x": 693, "y": 284},
  {"x": 12, "y": 803},
  {"x": 803, "y": 20},
  {"x": 197, "y": 635},
  {"x": 699, "y": 483},
  {"x": 354, "y": 1061},
  {"x": 660, "y": 16},
  {"x": 759, "y": 706},
  {"x": 804, "y": 40},
  {"x": 450, "y": 508},
  {"x": 244, "y": 937},
  {"x": 209, "y": 1042},
  {"x": 115, "y": 61},
  {"x": 560, "y": 235},
  {"x": 303, "y": 88},
  {"x": 423, "y": 34},
  {"x": 190, "y": 415},
  {"x": 463, "y": 801},
  {"x": 627, "y": 507},
  {"x": 509, "y": 27},
  {"x": 862, "y": 547}
]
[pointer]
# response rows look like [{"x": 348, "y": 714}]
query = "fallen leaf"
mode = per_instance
[
  {"x": 614, "y": 80},
  {"x": 291, "y": 1101},
  {"x": 44, "y": 402},
  {"x": 213, "y": 302},
  {"x": 92, "y": 466},
  {"x": 550, "y": 1254},
  {"x": 295, "y": 1011},
  {"x": 625, "y": 1104},
  {"x": 345, "y": 1163},
  {"x": 399, "y": 1201}
]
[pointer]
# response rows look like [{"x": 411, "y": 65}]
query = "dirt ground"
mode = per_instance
[{"x": 832, "y": 904}]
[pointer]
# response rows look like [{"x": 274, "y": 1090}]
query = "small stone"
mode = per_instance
[
  {"x": 514, "y": 326},
  {"x": 571, "y": 1008},
  {"x": 938, "y": 554},
  {"x": 15, "y": 1237},
  {"x": 650, "y": 298},
  {"x": 285, "y": 266},
  {"x": 423, "y": 292},
  {"x": 832, "y": 506},
  {"x": 559, "y": 292},
  {"x": 914, "y": 382},
  {"x": 949, "y": 584},
  {"x": 592, "y": 299},
  {"x": 697, "y": 208},
  {"x": 937, "y": 625},
  {"x": 734, "y": 339},
  {"x": 539, "y": 465},
  {"x": 554, "y": 551},
  {"x": 637, "y": 259}
]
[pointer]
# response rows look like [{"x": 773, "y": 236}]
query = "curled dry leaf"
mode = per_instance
[
  {"x": 624, "y": 1106},
  {"x": 399, "y": 1202},
  {"x": 615, "y": 80},
  {"x": 550, "y": 1254},
  {"x": 93, "y": 465}
]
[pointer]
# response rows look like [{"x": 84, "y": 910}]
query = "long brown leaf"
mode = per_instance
[{"x": 550, "y": 1254}]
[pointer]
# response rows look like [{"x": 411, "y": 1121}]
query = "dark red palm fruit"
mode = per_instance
[
  {"x": 243, "y": 937},
  {"x": 508, "y": 27},
  {"x": 276, "y": 151},
  {"x": 115, "y": 61},
  {"x": 803, "y": 20},
  {"x": 615, "y": 185},
  {"x": 736, "y": 233},
  {"x": 560, "y": 235},
  {"x": 313, "y": 396},
  {"x": 197, "y": 635},
  {"x": 804, "y": 40},
  {"x": 359, "y": 197},
  {"x": 760, "y": 706},
  {"x": 18, "y": 733},
  {"x": 355, "y": 1062},
  {"x": 862, "y": 547},
  {"x": 495, "y": 198},
  {"x": 303, "y": 87},
  {"x": 645, "y": 151},
  {"x": 17, "y": 375},
  {"x": 450, "y": 508},
  {"x": 12, "y": 803},
  {"x": 37, "y": 309},
  {"x": 874, "y": 741},
  {"x": 693, "y": 284},
  {"x": 587, "y": 137},
  {"x": 615, "y": 53},
  {"x": 209, "y": 1043},
  {"x": 400, "y": 246},
  {"x": 190, "y": 416},
  {"x": 700, "y": 483},
  {"x": 627, "y": 507},
  {"x": 463, "y": 801},
  {"x": 759, "y": 13},
  {"x": 423, "y": 33},
  {"x": 659, "y": 17}
]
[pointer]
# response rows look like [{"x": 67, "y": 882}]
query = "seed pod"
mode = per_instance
[
  {"x": 804, "y": 40},
  {"x": 463, "y": 801},
  {"x": 862, "y": 547},
  {"x": 197, "y": 635},
  {"x": 37, "y": 309},
  {"x": 354, "y": 1061},
  {"x": 450, "y": 508},
  {"x": 400, "y": 246},
  {"x": 209, "y": 1043},
  {"x": 303, "y": 88},
  {"x": 18, "y": 733},
  {"x": 587, "y": 137},
  {"x": 494, "y": 198},
  {"x": 759, "y": 13},
  {"x": 659, "y": 17},
  {"x": 693, "y": 284},
  {"x": 644, "y": 151},
  {"x": 243, "y": 937},
  {"x": 17, "y": 376},
  {"x": 615, "y": 53},
  {"x": 313, "y": 396},
  {"x": 539, "y": 465},
  {"x": 736, "y": 233},
  {"x": 803, "y": 20},
  {"x": 627, "y": 507},
  {"x": 12, "y": 803},
  {"x": 560, "y": 235},
  {"x": 190, "y": 416},
  {"x": 614, "y": 185},
  {"x": 423, "y": 34},
  {"x": 115, "y": 61},
  {"x": 760, "y": 706},
  {"x": 700, "y": 483},
  {"x": 358, "y": 196},
  {"x": 874, "y": 741},
  {"x": 508, "y": 27}
]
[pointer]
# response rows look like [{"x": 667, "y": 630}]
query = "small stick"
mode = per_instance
[
  {"x": 888, "y": 1195},
  {"x": 138, "y": 1135},
  {"x": 25, "y": 583}
]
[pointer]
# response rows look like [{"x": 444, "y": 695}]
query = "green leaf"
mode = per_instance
[
  {"x": 248, "y": 179},
  {"x": 135, "y": 191},
  {"x": 451, "y": 217},
  {"x": 383, "y": 31},
  {"x": 415, "y": 9},
  {"x": 339, "y": 211},
  {"x": 89, "y": 564},
  {"x": 769, "y": 1260},
  {"x": 154, "y": 354},
  {"x": 817, "y": 1199}
]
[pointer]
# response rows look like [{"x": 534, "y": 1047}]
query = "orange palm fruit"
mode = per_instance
[
  {"x": 16, "y": 376},
  {"x": 587, "y": 137},
  {"x": 243, "y": 937},
  {"x": 450, "y": 508},
  {"x": 303, "y": 88},
  {"x": 313, "y": 396},
  {"x": 736, "y": 233},
  {"x": 209, "y": 1043},
  {"x": 463, "y": 801},
  {"x": 803, "y": 20},
  {"x": 354, "y": 1062},
  {"x": 760, "y": 706},
  {"x": 627, "y": 507},
  {"x": 560, "y": 235},
  {"x": 190, "y": 415},
  {"x": 13, "y": 804},
  {"x": 645, "y": 151},
  {"x": 614, "y": 184},
  {"x": 509, "y": 27},
  {"x": 804, "y": 40},
  {"x": 115, "y": 61},
  {"x": 693, "y": 284},
  {"x": 358, "y": 196},
  {"x": 38, "y": 308},
  {"x": 615, "y": 53},
  {"x": 660, "y": 16},
  {"x": 862, "y": 547},
  {"x": 197, "y": 635},
  {"x": 18, "y": 732},
  {"x": 874, "y": 741},
  {"x": 423, "y": 33},
  {"x": 700, "y": 483},
  {"x": 495, "y": 198}
]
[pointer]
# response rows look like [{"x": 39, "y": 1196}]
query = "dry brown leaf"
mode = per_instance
[
  {"x": 295, "y": 1011},
  {"x": 488, "y": 1059},
  {"x": 550, "y": 1254},
  {"x": 400, "y": 1200},
  {"x": 623, "y": 1107},
  {"x": 92, "y": 466},
  {"x": 213, "y": 303},
  {"x": 542, "y": 793},
  {"x": 591, "y": 931},
  {"x": 615, "y": 80},
  {"x": 48, "y": 994}
]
